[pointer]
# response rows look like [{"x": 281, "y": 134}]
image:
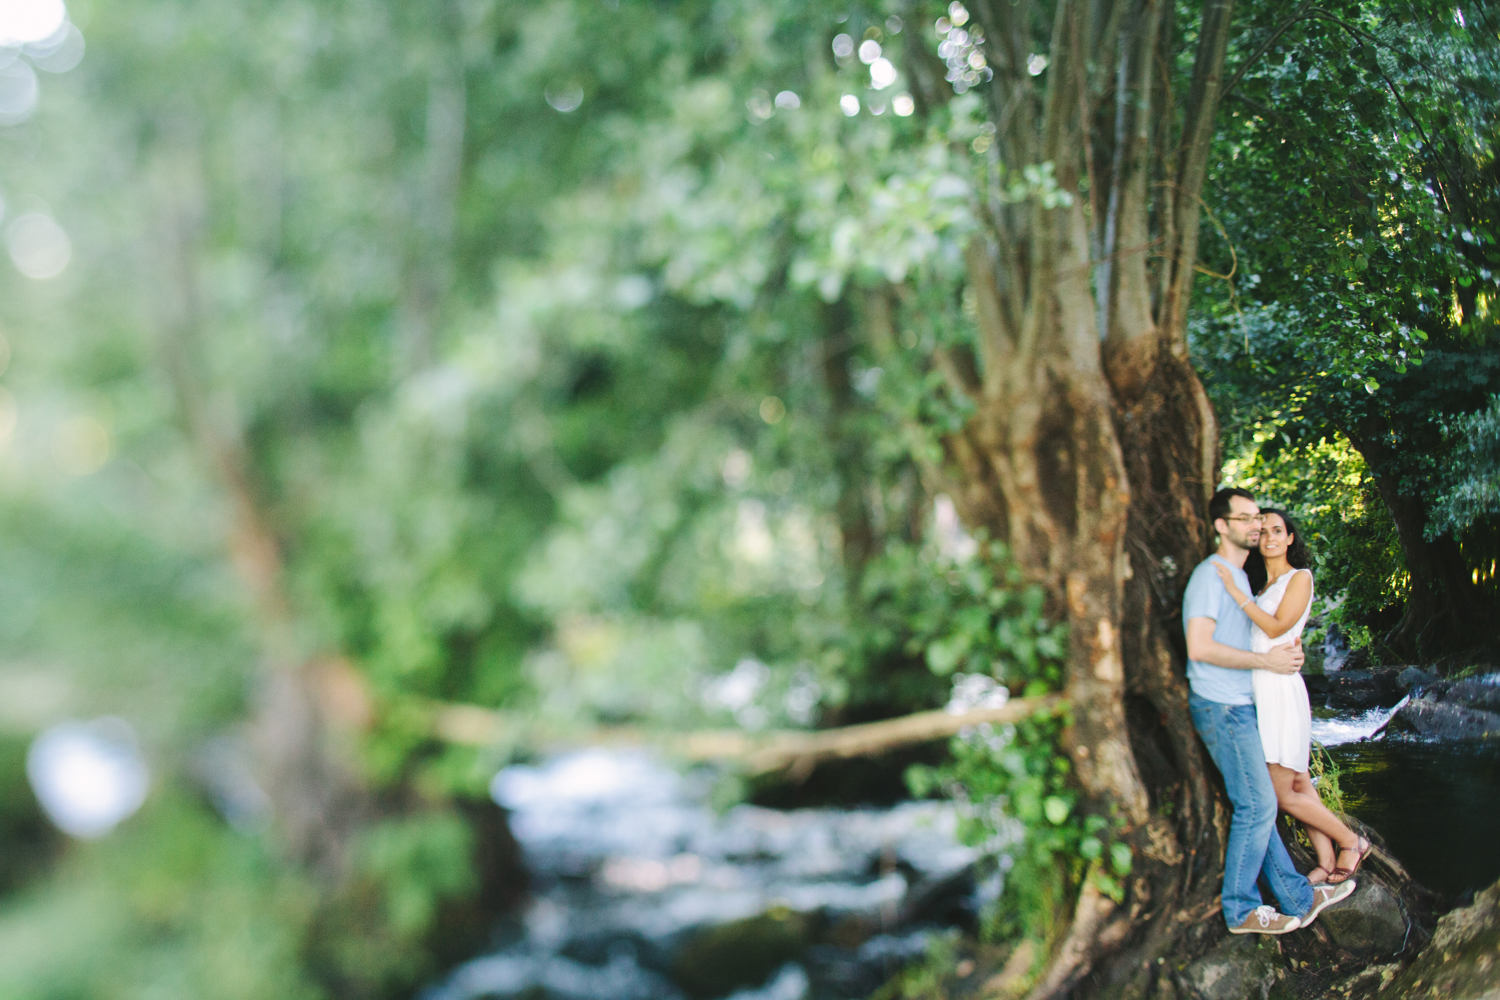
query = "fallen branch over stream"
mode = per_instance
[{"x": 759, "y": 753}]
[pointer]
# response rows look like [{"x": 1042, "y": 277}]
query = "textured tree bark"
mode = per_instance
[{"x": 1093, "y": 449}]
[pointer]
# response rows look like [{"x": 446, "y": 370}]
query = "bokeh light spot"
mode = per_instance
[
  {"x": 565, "y": 96},
  {"x": 903, "y": 105},
  {"x": 18, "y": 92},
  {"x": 38, "y": 246},
  {"x": 23, "y": 21},
  {"x": 88, "y": 776},
  {"x": 60, "y": 55},
  {"x": 849, "y": 104},
  {"x": 759, "y": 105},
  {"x": 736, "y": 468},
  {"x": 772, "y": 410}
]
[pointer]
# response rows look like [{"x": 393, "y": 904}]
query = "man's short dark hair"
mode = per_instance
[{"x": 1219, "y": 506}]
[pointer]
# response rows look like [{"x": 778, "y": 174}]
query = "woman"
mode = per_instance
[{"x": 1281, "y": 707}]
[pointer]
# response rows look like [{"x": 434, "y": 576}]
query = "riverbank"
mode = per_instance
[{"x": 641, "y": 890}]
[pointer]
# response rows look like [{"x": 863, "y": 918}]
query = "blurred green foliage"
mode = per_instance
[
  {"x": 173, "y": 904},
  {"x": 577, "y": 374}
]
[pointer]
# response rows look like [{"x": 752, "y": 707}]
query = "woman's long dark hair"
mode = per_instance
[{"x": 1296, "y": 552}]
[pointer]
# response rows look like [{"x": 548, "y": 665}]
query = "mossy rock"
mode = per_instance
[
  {"x": 1368, "y": 924},
  {"x": 1241, "y": 967},
  {"x": 1462, "y": 962},
  {"x": 718, "y": 960}
]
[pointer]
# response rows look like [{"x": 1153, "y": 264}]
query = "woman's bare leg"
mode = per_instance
[
  {"x": 1296, "y": 795},
  {"x": 1323, "y": 845},
  {"x": 1322, "y": 842}
]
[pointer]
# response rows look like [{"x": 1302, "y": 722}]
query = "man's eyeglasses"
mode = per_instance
[{"x": 1248, "y": 518}]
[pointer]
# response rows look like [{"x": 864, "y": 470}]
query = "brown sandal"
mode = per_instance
[
  {"x": 1341, "y": 874},
  {"x": 1318, "y": 881}
]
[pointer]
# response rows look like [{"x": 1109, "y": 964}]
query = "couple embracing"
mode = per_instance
[{"x": 1250, "y": 706}]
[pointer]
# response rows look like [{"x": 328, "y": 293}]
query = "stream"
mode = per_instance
[
  {"x": 1437, "y": 805},
  {"x": 640, "y": 890}
]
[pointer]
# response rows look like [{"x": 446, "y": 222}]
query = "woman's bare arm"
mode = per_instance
[{"x": 1298, "y": 595}]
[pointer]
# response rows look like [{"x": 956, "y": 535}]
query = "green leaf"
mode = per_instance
[
  {"x": 1479, "y": 86},
  {"x": 1120, "y": 857},
  {"x": 944, "y": 655},
  {"x": 1056, "y": 809}
]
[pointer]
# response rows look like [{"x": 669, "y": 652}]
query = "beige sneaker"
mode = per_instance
[
  {"x": 1325, "y": 896},
  {"x": 1265, "y": 920}
]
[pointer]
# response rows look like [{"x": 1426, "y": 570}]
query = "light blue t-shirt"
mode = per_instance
[{"x": 1206, "y": 598}]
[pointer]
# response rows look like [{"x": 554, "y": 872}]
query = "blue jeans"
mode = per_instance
[{"x": 1233, "y": 741}]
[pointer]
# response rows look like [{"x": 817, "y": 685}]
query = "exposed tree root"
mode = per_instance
[{"x": 1096, "y": 928}]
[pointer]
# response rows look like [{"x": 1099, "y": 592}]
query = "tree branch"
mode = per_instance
[
  {"x": 1265, "y": 46},
  {"x": 760, "y": 753},
  {"x": 1213, "y": 41}
]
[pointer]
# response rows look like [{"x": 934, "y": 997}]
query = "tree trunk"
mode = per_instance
[
  {"x": 316, "y": 799},
  {"x": 1445, "y": 612},
  {"x": 856, "y": 527},
  {"x": 1093, "y": 450},
  {"x": 1043, "y": 464}
]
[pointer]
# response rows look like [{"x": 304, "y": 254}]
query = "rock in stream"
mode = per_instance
[
  {"x": 1460, "y": 711},
  {"x": 1364, "y": 689}
]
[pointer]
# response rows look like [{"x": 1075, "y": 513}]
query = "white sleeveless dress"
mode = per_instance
[{"x": 1281, "y": 706}]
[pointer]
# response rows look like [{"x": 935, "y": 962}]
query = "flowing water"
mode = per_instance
[
  {"x": 640, "y": 891},
  {"x": 1436, "y": 804}
]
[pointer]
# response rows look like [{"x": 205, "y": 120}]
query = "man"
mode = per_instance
[{"x": 1219, "y": 665}]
